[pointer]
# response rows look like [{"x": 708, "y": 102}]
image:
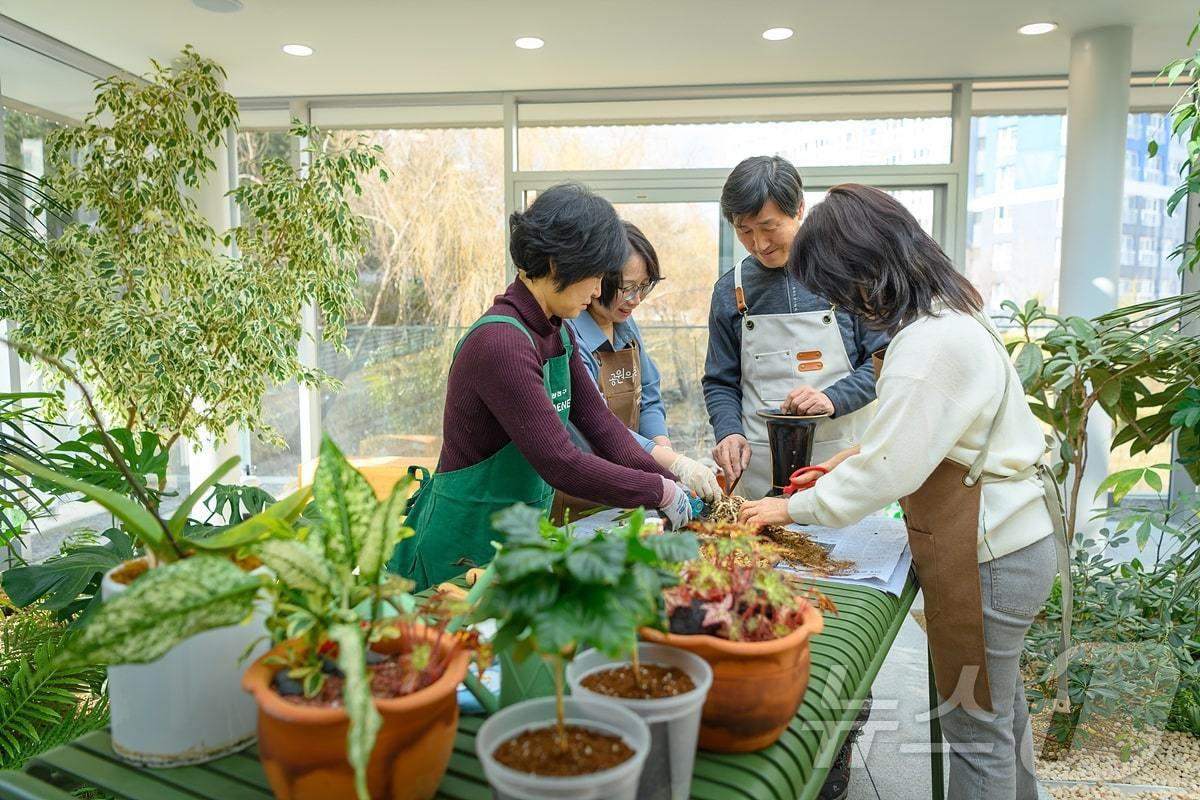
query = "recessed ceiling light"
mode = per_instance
[
  {"x": 1037, "y": 28},
  {"x": 777, "y": 34},
  {"x": 530, "y": 43},
  {"x": 219, "y": 6},
  {"x": 297, "y": 50}
]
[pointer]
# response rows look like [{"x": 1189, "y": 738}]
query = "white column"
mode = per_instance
[
  {"x": 206, "y": 452},
  {"x": 960, "y": 159},
  {"x": 10, "y": 362},
  {"x": 1097, "y": 119},
  {"x": 310, "y": 331},
  {"x": 512, "y": 165}
]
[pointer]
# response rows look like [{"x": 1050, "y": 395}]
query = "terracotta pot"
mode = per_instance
[
  {"x": 757, "y": 686},
  {"x": 303, "y": 748}
]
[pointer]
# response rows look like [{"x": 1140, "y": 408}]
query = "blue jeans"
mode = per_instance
[{"x": 991, "y": 753}]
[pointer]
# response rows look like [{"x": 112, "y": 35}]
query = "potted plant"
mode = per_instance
[
  {"x": 351, "y": 703},
  {"x": 174, "y": 617},
  {"x": 552, "y": 595},
  {"x": 732, "y": 608}
]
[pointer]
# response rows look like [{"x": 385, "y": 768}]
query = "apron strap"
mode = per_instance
[
  {"x": 739, "y": 293},
  {"x": 566, "y": 340},
  {"x": 491, "y": 318},
  {"x": 1058, "y": 523},
  {"x": 976, "y": 469}
]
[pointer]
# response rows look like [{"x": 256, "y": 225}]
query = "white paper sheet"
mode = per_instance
[
  {"x": 586, "y": 528},
  {"x": 877, "y": 545}
]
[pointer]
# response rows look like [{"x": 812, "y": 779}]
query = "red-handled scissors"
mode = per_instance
[{"x": 792, "y": 488}]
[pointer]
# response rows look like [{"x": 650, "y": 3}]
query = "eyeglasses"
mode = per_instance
[{"x": 637, "y": 291}]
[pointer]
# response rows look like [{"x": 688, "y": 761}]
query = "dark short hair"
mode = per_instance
[
  {"x": 757, "y": 180},
  {"x": 642, "y": 247},
  {"x": 574, "y": 228},
  {"x": 862, "y": 241}
]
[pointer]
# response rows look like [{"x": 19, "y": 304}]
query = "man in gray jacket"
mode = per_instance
[{"x": 774, "y": 344}]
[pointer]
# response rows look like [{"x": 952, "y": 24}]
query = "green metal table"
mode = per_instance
[{"x": 845, "y": 660}]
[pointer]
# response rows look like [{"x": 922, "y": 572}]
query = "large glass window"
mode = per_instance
[
  {"x": 921, "y": 140},
  {"x": 434, "y": 262},
  {"x": 275, "y": 466},
  {"x": 25, "y": 148},
  {"x": 1015, "y": 207}
]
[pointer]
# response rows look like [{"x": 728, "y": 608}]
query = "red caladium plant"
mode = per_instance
[{"x": 733, "y": 591}]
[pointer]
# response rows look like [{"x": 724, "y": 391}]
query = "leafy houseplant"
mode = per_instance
[
  {"x": 350, "y": 701},
  {"x": 42, "y": 704},
  {"x": 553, "y": 595},
  {"x": 174, "y": 335},
  {"x": 753, "y": 627},
  {"x": 180, "y": 608},
  {"x": 1141, "y": 365}
]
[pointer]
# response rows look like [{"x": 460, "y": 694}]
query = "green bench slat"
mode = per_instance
[
  {"x": 201, "y": 779},
  {"x": 757, "y": 777},
  {"x": 23, "y": 786},
  {"x": 456, "y": 788},
  {"x": 467, "y": 767},
  {"x": 120, "y": 779},
  {"x": 243, "y": 768},
  {"x": 725, "y": 785}
]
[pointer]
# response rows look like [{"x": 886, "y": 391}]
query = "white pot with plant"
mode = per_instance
[{"x": 174, "y": 624}]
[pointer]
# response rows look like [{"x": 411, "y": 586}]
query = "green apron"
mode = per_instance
[{"x": 452, "y": 512}]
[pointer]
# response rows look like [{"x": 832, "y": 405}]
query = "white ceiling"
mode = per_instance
[{"x": 378, "y": 46}]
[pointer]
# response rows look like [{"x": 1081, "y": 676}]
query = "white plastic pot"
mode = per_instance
[
  {"x": 674, "y": 722},
  {"x": 188, "y": 706},
  {"x": 618, "y": 783}
]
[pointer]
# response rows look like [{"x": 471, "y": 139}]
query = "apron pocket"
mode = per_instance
[{"x": 924, "y": 553}]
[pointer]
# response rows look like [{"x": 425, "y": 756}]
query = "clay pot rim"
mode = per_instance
[
  {"x": 814, "y": 623},
  {"x": 257, "y": 682}
]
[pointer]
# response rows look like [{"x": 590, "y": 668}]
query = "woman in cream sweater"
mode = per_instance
[{"x": 955, "y": 441}]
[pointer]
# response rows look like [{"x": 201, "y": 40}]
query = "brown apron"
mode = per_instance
[
  {"x": 942, "y": 518},
  {"x": 620, "y": 384}
]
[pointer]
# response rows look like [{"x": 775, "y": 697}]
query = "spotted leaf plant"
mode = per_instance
[{"x": 332, "y": 600}]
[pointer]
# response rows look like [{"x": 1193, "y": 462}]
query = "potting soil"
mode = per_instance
[
  {"x": 539, "y": 752},
  {"x": 656, "y": 681}
]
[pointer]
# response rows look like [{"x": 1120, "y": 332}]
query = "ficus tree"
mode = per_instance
[{"x": 176, "y": 332}]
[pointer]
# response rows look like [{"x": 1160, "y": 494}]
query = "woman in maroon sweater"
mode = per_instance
[{"x": 515, "y": 381}]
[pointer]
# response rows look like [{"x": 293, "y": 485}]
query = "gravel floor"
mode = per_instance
[{"x": 1168, "y": 760}]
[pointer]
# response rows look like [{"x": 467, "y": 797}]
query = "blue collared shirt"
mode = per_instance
[{"x": 591, "y": 339}]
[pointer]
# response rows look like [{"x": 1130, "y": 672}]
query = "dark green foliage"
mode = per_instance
[
  {"x": 1144, "y": 615},
  {"x": 43, "y": 704},
  {"x": 555, "y": 594},
  {"x": 68, "y": 584}
]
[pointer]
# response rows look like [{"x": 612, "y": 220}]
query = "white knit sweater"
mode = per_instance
[{"x": 939, "y": 392}]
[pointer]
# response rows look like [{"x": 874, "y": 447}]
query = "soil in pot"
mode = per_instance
[
  {"x": 656, "y": 681},
  {"x": 130, "y": 571},
  {"x": 391, "y": 676},
  {"x": 540, "y": 752}
]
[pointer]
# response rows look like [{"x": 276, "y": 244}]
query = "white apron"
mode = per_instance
[{"x": 779, "y": 353}]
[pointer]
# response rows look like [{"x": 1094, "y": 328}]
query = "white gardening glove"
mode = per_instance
[
  {"x": 677, "y": 507},
  {"x": 699, "y": 479}
]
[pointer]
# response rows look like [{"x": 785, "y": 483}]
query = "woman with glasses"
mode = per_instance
[
  {"x": 612, "y": 349},
  {"x": 516, "y": 381}
]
